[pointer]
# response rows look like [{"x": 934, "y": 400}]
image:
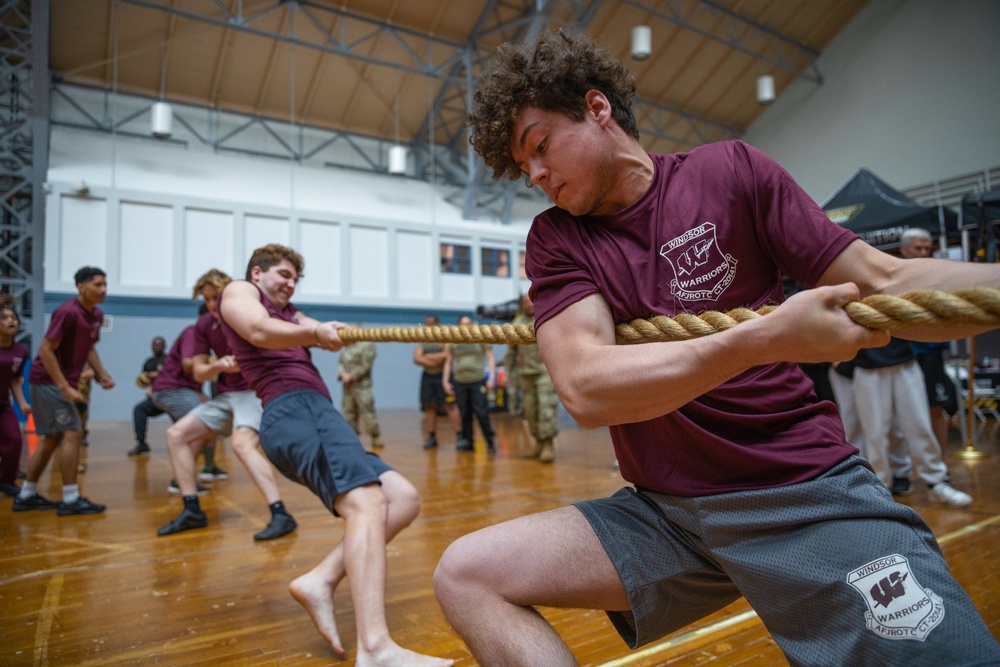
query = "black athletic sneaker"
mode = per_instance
[
  {"x": 431, "y": 442},
  {"x": 281, "y": 524},
  {"x": 79, "y": 506},
  {"x": 901, "y": 486},
  {"x": 463, "y": 445},
  {"x": 186, "y": 520},
  {"x": 139, "y": 449},
  {"x": 35, "y": 502},
  {"x": 9, "y": 489}
]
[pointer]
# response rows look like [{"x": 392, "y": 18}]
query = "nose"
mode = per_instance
[{"x": 537, "y": 172}]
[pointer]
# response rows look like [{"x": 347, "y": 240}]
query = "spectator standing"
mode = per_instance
[
  {"x": 538, "y": 395},
  {"x": 467, "y": 361},
  {"x": 431, "y": 357},
  {"x": 354, "y": 368},
  {"x": 12, "y": 358},
  {"x": 68, "y": 345}
]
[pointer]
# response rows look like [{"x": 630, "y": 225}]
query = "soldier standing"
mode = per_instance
[
  {"x": 355, "y": 371},
  {"x": 538, "y": 395}
]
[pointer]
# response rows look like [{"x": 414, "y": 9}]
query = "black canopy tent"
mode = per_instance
[{"x": 879, "y": 214}]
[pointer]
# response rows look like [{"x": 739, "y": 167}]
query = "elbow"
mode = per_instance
[{"x": 583, "y": 408}]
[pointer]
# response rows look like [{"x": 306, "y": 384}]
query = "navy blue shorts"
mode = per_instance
[
  {"x": 432, "y": 391},
  {"x": 309, "y": 442}
]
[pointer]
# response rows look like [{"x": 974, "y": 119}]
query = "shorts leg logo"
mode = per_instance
[{"x": 898, "y": 606}]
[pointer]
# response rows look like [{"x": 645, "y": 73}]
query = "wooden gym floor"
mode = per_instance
[{"x": 104, "y": 589}]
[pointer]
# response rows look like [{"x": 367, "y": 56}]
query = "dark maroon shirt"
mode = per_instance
[
  {"x": 77, "y": 330},
  {"x": 272, "y": 373},
  {"x": 209, "y": 338},
  {"x": 11, "y": 365},
  {"x": 173, "y": 375},
  {"x": 716, "y": 230}
]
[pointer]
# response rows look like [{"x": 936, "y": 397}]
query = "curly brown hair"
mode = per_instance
[
  {"x": 213, "y": 277},
  {"x": 271, "y": 254},
  {"x": 554, "y": 74}
]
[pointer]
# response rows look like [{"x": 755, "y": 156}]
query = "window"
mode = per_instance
[
  {"x": 456, "y": 258},
  {"x": 521, "y": 272},
  {"x": 496, "y": 262}
]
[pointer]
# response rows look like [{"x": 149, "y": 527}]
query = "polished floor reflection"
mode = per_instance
[{"x": 101, "y": 590}]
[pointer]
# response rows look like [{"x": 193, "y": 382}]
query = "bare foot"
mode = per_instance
[
  {"x": 394, "y": 655},
  {"x": 312, "y": 592}
]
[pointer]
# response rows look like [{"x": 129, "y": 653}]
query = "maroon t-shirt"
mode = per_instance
[
  {"x": 173, "y": 375},
  {"x": 275, "y": 372},
  {"x": 208, "y": 338},
  {"x": 77, "y": 331},
  {"x": 12, "y": 360},
  {"x": 716, "y": 230}
]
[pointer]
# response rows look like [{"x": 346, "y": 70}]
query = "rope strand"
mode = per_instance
[{"x": 930, "y": 308}]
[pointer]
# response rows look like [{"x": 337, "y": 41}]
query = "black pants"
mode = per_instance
[
  {"x": 471, "y": 399},
  {"x": 140, "y": 414}
]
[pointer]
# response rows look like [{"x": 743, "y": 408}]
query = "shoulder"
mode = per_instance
[{"x": 241, "y": 289}]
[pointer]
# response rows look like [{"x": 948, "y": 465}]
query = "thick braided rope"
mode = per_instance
[{"x": 978, "y": 306}]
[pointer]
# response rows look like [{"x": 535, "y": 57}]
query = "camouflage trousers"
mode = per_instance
[
  {"x": 359, "y": 402},
  {"x": 541, "y": 405}
]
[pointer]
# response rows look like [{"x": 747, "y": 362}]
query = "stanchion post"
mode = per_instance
[{"x": 970, "y": 453}]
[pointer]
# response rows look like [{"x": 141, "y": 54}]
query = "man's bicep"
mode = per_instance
[{"x": 241, "y": 308}]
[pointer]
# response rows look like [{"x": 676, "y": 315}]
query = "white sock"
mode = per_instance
[
  {"x": 27, "y": 490},
  {"x": 70, "y": 493}
]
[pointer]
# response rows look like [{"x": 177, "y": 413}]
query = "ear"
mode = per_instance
[{"x": 598, "y": 107}]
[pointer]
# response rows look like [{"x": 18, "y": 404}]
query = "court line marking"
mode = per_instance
[
  {"x": 748, "y": 615},
  {"x": 45, "y": 615}
]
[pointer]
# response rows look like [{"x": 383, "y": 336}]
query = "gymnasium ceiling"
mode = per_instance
[{"x": 384, "y": 68}]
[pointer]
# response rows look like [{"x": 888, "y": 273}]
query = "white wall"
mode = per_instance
[
  {"x": 157, "y": 215},
  {"x": 911, "y": 91}
]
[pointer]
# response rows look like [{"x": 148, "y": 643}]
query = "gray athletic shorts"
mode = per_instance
[
  {"x": 838, "y": 572},
  {"x": 311, "y": 443},
  {"x": 234, "y": 409},
  {"x": 177, "y": 402},
  {"x": 53, "y": 414}
]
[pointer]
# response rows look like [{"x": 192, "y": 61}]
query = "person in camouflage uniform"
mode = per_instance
[
  {"x": 538, "y": 395},
  {"x": 355, "y": 372}
]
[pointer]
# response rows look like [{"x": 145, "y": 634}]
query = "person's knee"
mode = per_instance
[{"x": 458, "y": 571}]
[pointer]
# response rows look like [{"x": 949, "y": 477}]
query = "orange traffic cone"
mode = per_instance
[{"x": 32, "y": 437}]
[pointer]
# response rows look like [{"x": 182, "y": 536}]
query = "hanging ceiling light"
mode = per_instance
[
  {"x": 765, "y": 89},
  {"x": 642, "y": 42},
  {"x": 397, "y": 154},
  {"x": 163, "y": 117}
]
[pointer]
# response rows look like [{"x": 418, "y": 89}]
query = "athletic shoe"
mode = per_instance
[
  {"x": 176, "y": 490},
  {"x": 490, "y": 447},
  {"x": 431, "y": 442},
  {"x": 140, "y": 448},
  {"x": 463, "y": 445},
  {"x": 79, "y": 506},
  {"x": 949, "y": 495},
  {"x": 35, "y": 502},
  {"x": 213, "y": 474},
  {"x": 9, "y": 489},
  {"x": 901, "y": 486},
  {"x": 186, "y": 520},
  {"x": 281, "y": 524}
]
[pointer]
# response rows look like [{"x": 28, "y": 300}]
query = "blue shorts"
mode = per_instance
[
  {"x": 838, "y": 572},
  {"x": 309, "y": 442}
]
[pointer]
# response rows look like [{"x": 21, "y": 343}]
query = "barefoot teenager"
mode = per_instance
[{"x": 311, "y": 443}]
